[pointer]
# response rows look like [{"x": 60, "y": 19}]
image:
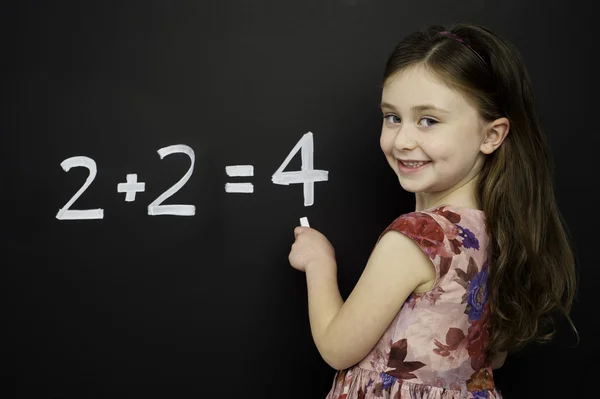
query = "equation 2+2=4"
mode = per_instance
[{"x": 307, "y": 176}]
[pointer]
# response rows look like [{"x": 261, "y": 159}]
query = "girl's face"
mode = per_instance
[{"x": 425, "y": 120}]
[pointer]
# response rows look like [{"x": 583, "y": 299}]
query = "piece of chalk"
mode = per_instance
[{"x": 304, "y": 222}]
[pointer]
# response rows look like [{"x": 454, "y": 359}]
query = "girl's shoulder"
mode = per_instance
[
  {"x": 454, "y": 238},
  {"x": 459, "y": 216},
  {"x": 444, "y": 228}
]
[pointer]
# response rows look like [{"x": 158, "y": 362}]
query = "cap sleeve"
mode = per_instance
[{"x": 429, "y": 235}]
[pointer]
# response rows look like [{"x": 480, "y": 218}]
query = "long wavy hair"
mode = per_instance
[{"x": 532, "y": 275}]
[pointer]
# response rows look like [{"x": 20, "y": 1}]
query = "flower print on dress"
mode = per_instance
[
  {"x": 478, "y": 310},
  {"x": 480, "y": 381},
  {"x": 377, "y": 390},
  {"x": 477, "y": 294},
  {"x": 451, "y": 216},
  {"x": 455, "y": 339},
  {"x": 387, "y": 380},
  {"x": 433, "y": 295},
  {"x": 342, "y": 376},
  {"x": 402, "y": 370},
  {"x": 424, "y": 230},
  {"x": 479, "y": 339},
  {"x": 469, "y": 239},
  {"x": 413, "y": 299},
  {"x": 480, "y": 395},
  {"x": 464, "y": 278},
  {"x": 379, "y": 357}
]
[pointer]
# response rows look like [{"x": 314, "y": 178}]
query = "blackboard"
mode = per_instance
[{"x": 130, "y": 303}]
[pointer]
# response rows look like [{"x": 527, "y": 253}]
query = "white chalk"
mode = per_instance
[
  {"x": 239, "y": 170},
  {"x": 304, "y": 222}
]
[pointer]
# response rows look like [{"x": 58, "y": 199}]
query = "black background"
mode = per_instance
[{"x": 139, "y": 306}]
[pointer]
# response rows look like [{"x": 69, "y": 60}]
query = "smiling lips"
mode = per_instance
[
  {"x": 411, "y": 166},
  {"x": 412, "y": 163}
]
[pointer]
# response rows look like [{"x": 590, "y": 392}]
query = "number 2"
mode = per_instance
[
  {"x": 65, "y": 213},
  {"x": 155, "y": 208}
]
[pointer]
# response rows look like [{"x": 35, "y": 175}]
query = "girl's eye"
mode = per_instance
[
  {"x": 392, "y": 118},
  {"x": 430, "y": 121}
]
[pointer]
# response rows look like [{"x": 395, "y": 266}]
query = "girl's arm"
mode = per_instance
[
  {"x": 345, "y": 333},
  {"x": 324, "y": 300}
]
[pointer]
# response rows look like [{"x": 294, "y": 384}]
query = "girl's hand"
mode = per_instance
[{"x": 310, "y": 247}]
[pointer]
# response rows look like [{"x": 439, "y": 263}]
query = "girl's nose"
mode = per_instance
[{"x": 404, "y": 139}]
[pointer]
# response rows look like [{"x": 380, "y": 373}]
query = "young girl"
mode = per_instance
[{"x": 477, "y": 269}]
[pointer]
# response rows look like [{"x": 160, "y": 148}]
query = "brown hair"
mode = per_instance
[{"x": 532, "y": 269}]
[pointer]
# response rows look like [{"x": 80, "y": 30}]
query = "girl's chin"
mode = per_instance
[{"x": 408, "y": 186}]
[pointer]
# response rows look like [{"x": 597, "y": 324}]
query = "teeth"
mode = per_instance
[{"x": 413, "y": 164}]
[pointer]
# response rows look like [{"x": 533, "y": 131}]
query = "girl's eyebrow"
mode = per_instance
[{"x": 424, "y": 107}]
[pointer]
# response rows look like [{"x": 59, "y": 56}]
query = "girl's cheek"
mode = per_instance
[{"x": 385, "y": 140}]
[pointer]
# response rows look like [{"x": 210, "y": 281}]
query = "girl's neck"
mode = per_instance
[{"x": 461, "y": 197}]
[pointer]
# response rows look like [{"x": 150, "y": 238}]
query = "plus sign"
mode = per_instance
[{"x": 131, "y": 187}]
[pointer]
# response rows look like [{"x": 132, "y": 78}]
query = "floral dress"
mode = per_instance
[{"x": 435, "y": 347}]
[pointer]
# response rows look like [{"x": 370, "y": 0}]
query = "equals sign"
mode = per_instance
[{"x": 239, "y": 171}]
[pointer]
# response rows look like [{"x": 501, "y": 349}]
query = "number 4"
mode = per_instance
[{"x": 307, "y": 175}]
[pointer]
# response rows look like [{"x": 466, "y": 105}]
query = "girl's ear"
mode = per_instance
[{"x": 495, "y": 133}]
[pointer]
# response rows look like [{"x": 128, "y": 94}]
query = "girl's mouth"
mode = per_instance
[{"x": 412, "y": 167}]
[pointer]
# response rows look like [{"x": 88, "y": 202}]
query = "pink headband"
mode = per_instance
[{"x": 465, "y": 42}]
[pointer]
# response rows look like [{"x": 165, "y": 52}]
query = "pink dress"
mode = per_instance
[{"x": 435, "y": 347}]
